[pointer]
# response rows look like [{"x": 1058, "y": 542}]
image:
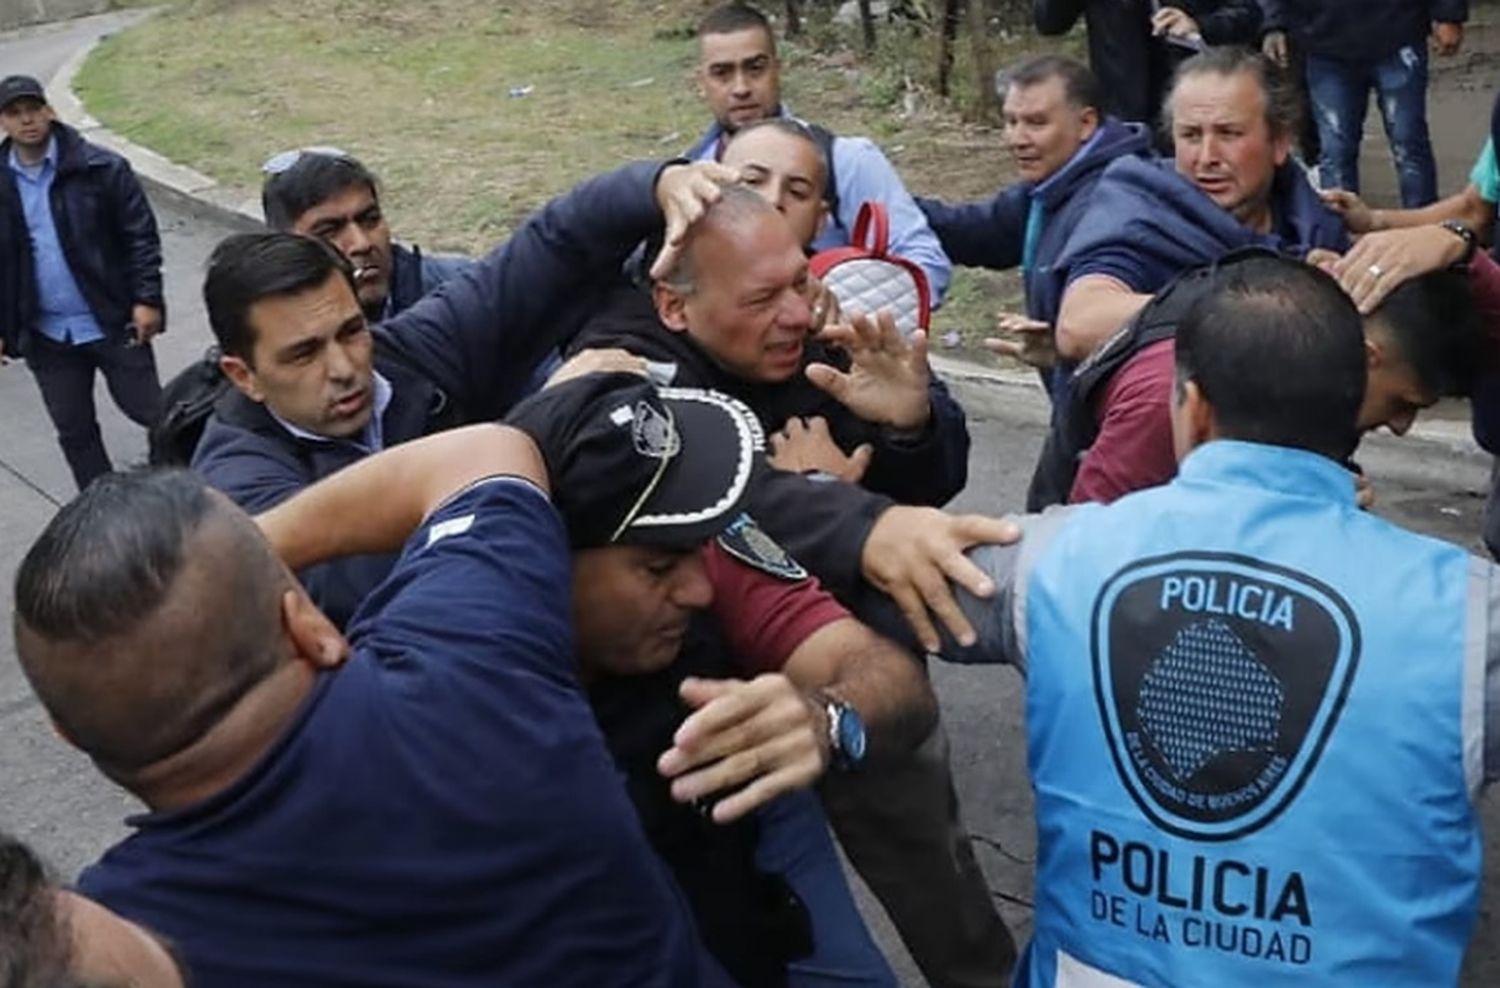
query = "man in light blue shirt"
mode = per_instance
[
  {"x": 80, "y": 266},
  {"x": 739, "y": 76}
]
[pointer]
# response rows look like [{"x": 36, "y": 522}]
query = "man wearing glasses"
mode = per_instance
[{"x": 80, "y": 273}]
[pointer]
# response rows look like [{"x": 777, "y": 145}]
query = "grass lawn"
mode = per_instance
[{"x": 429, "y": 95}]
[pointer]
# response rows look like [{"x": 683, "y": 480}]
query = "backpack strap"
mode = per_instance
[{"x": 872, "y": 230}]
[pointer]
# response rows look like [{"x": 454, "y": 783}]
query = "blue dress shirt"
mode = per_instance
[{"x": 63, "y": 314}]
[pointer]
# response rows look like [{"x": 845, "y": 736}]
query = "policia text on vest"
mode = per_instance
[
  {"x": 1218, "y": 679},
  {"x": 1215, "y": 904}
]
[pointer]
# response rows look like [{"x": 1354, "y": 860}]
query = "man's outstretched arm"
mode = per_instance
[
  {"x": 482, "y": 334},
  {"x": 374, "y": 505},
  {"x": 1093, "y": 308}
]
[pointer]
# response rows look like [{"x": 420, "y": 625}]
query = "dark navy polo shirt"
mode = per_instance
[{"x": 442, "y": 812}]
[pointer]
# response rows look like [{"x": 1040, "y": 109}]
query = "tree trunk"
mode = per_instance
[
  {"x": 984, "y": 58},
  {"x": 952, "y": 13},
  {"x": 867, "y": 25},
  {"x": 793, "y": 18}
]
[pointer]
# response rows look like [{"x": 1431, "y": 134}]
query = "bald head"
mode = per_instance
[
  {"x": 738, "y": 208},
  {"x": 144, "y": 612},
  {"x": 740, "y": 289}
]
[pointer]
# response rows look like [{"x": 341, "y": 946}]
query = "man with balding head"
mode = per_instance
[{"x": 735, "y": 314}]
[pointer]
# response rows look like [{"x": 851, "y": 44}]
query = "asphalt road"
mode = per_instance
[{"x": 56, "y": 801}]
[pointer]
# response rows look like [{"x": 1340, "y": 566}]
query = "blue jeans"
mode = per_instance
[
  {"x": 1340, "y": 94},
  {"x": 795, "y": 844}
]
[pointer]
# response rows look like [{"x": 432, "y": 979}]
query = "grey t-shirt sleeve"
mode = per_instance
[
  {"x": 1481, "y": 708},
  {"x": 1000, "y": 620}
]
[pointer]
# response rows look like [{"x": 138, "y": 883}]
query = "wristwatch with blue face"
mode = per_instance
[{"x": 846, "y": 733}]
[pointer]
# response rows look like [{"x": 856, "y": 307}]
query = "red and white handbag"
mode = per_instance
[{"x": 865, "y": 277}]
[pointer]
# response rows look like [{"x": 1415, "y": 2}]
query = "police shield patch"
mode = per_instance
[
  {"x": 746, "y": 541},
  {"x": 1218, "y": 679}
]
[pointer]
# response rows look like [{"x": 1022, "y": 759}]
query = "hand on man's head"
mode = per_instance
[
  {"x": 1379, "y": 263},
  {"x": 684, "y": 193}
]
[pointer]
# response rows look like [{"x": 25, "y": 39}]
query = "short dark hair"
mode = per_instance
[
  {"x": 247, "y": 267},
  {"x": 731, "y": 17},
  {"x": 1080, "y": 85},
  {"x": 1430, "y": 320},
  {"x": 98, "y": 578},
  {"x": 314, "y": 178},
  {"x": 1277, "y": 348},
  {"x": 1283, "y": 101},
  {"x": 36, "y": 948},
  {"x": 791, "y": 127}
]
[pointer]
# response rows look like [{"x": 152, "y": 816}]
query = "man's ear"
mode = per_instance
[
  {"x": 671, "y": 307},
  {"x": 242, "y": 376},
  {"x": 1193, "y": 422},
  {"x": 1090, "y": 120},
  {"x": 316, "y": 640},
  {"x": 1281, "y": 147},
  {"x": 1375, "y": 356}
]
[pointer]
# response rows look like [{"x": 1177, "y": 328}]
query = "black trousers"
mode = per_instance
[{"x": 65, "y": 375}]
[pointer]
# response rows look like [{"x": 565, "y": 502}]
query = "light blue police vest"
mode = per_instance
[{"x": 1248, "y": 706}]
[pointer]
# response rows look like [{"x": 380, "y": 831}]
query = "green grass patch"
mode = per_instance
[{"x": 422, "y": 92}]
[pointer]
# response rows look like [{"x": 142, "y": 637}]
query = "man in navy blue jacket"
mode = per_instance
[
  {"x": 429, "y": 802},
  {"x": 1353, "y": 47},
  {"x": 1231, "y": 184},
  {"x": 326, "y": 193},
  {"x": 317, "y": 389},
  {"x": 1061, "y": 143},
  {"x": 80, "y": 273}
]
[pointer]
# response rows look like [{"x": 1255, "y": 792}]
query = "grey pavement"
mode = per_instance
[{"x": 55, "y": 800}]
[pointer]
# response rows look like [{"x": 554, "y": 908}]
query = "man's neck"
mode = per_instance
[
  {"x": 32, "y": 155},
  {"x": 231, "y": 747},
  {"x": 1257, "y": 218}
]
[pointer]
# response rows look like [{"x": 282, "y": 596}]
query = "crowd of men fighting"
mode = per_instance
[{"x": 555, "y": 618}]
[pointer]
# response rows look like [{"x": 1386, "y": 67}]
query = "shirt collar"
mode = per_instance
[
  {"x": 1282, "y": 469},
  {"x": 717, "y": 137},
  {"x": 49, "y": 157},
  {"x": 372, "y": 439}
]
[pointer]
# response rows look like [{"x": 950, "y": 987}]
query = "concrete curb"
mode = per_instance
[
  {"x": 196, "y": 192},
  {"x": 986, "y": 390}
]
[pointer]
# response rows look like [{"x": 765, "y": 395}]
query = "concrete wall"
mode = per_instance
[{"x": 18, "y": 13}]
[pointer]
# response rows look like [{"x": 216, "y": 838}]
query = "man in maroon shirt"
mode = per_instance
[
  {"x": 1420, "y": 344},
  {"x": 724, "y": 679}
]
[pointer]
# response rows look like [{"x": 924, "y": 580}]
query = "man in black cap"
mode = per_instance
[
  {"x": 80, "y": 273},
  {"x": 665, "y": 624}
]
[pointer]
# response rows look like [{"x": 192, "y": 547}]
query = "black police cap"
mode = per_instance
[{"x": 631, "y": 463}]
